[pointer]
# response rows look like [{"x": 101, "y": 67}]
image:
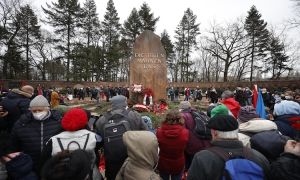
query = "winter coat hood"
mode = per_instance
[
  {"x": 142, "y": 147},
  {"x": 171, "y": 131},
  {"x": 17, "y": 94},
  {"x": 257, "y": 125},
  {"x": 142, "y": 150}
]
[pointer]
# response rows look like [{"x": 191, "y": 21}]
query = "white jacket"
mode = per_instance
[
  {"x": 255, "y": 125},
  {"x": 73, "y": 140}
]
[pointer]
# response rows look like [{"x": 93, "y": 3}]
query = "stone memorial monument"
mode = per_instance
[{"x": 148, "y": 65}]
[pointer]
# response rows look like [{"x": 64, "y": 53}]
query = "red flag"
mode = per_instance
[
  {"x": 255, "y": 96},
  {"x": 23, "y": 83},
  {"x": 40, "y": 92}
]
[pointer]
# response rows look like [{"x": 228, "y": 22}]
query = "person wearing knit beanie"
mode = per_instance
[
  {"x": 247, "y": 113},
  {"x": 39, "y": 101},
  {"x": 34, "y": 129},
  {"x": 184, "y": 105},
  {"x": 74, "y": 119},
  {"x": 119, "y": 102},
  {"x": 76, "y": 136},
  {"x": 148, "y": 121},
  {"x": 220, "y": 109}
]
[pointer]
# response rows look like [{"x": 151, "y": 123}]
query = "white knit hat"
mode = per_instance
[{"x": 39, "y": 100}]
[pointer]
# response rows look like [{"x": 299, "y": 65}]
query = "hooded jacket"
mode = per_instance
[
  {"x": 20, "y": 167},
  {"x": 17, "y": 103},
  {"x": 30, "y": 135},
  {"x": 172, "y": 141},
  {"x": 142, "y": 149},
  {"x": 283, "y": 112},
  {"x": 255, "y": 125}
]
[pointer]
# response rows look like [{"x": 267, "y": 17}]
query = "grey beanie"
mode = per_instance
[
  {"x": 39, "y": 100},
  {"x": 118, "y": 102},
  {"x": 184, "y": 105}
]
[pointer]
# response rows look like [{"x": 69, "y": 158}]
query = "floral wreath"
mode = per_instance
[
  {"x": 159, "y": 106},
  {"x": 137, "y": 87},
  {"x": 148, "y": 92}
]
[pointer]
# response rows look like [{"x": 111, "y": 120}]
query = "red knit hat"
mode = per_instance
[{"x": 74, "y": 119}]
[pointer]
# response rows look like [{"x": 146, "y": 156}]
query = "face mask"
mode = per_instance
[
  {"x": 276, "y": 96},
  {"x": 40, "y": 115},
  {"x": 287, "y": 97}
]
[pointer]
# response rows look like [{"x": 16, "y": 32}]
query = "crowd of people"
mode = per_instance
[
  {"x": 39, "y": 142},
  {"x": 99, "y": 93}
]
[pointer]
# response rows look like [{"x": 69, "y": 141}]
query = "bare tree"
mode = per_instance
[{"x": 228, "y": 43}]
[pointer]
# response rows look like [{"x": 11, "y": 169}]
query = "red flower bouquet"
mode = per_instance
[
  {"x": 149, "y": 92},
  {"x": 159, "y": 106},
  {"x": 296, "y": 124}
]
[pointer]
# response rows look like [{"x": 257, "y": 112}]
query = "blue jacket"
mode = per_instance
[{"x": 285, "y": 126}]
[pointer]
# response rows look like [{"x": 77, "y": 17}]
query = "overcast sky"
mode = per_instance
[{"x": 171, "y": 12}]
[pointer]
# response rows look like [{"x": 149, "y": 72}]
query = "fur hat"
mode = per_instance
[
  {"x": 118, "y": 102},
  {"x": 222, "y": 122},
  {"x": 184, "y": 105},
  {"x": 39, "y": 100},
  {"x": 74, "y": 119},
  {"x": 247, "y": 113}
]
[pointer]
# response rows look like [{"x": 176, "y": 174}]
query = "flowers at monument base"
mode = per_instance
[
  {"x": 141, "y": 108},
  {"x": 130, "y": 104},
  {"x": 159, "y": 106},
  {"x": 137, "y": 87},
  {"x": 296, "y": 124},
  {"x": 148, "y": 92}
]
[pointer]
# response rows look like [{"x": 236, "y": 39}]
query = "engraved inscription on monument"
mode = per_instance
[{"x": 148, "y": 64}]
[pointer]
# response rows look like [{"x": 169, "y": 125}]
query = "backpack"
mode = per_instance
[
  {"x": 74, "y": 144},
  {"x": 201, "y": 119},
  {"x": 199, "y": 95},
  {"x": 116, "y": 125},
  {"x": 270, "y": 143},
  {"x": 238, "y": 165}
]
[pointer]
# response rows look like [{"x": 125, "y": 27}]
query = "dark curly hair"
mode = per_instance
[
  {"x": 67, "y": 165},
  {"x": 173, "y": 117}
]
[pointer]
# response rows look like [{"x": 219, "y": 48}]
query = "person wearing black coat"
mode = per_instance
[
  {"x": 34, "y": 129},
  {"x": 17, "y": 103},
  {"x": 287, "y": 166}
]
